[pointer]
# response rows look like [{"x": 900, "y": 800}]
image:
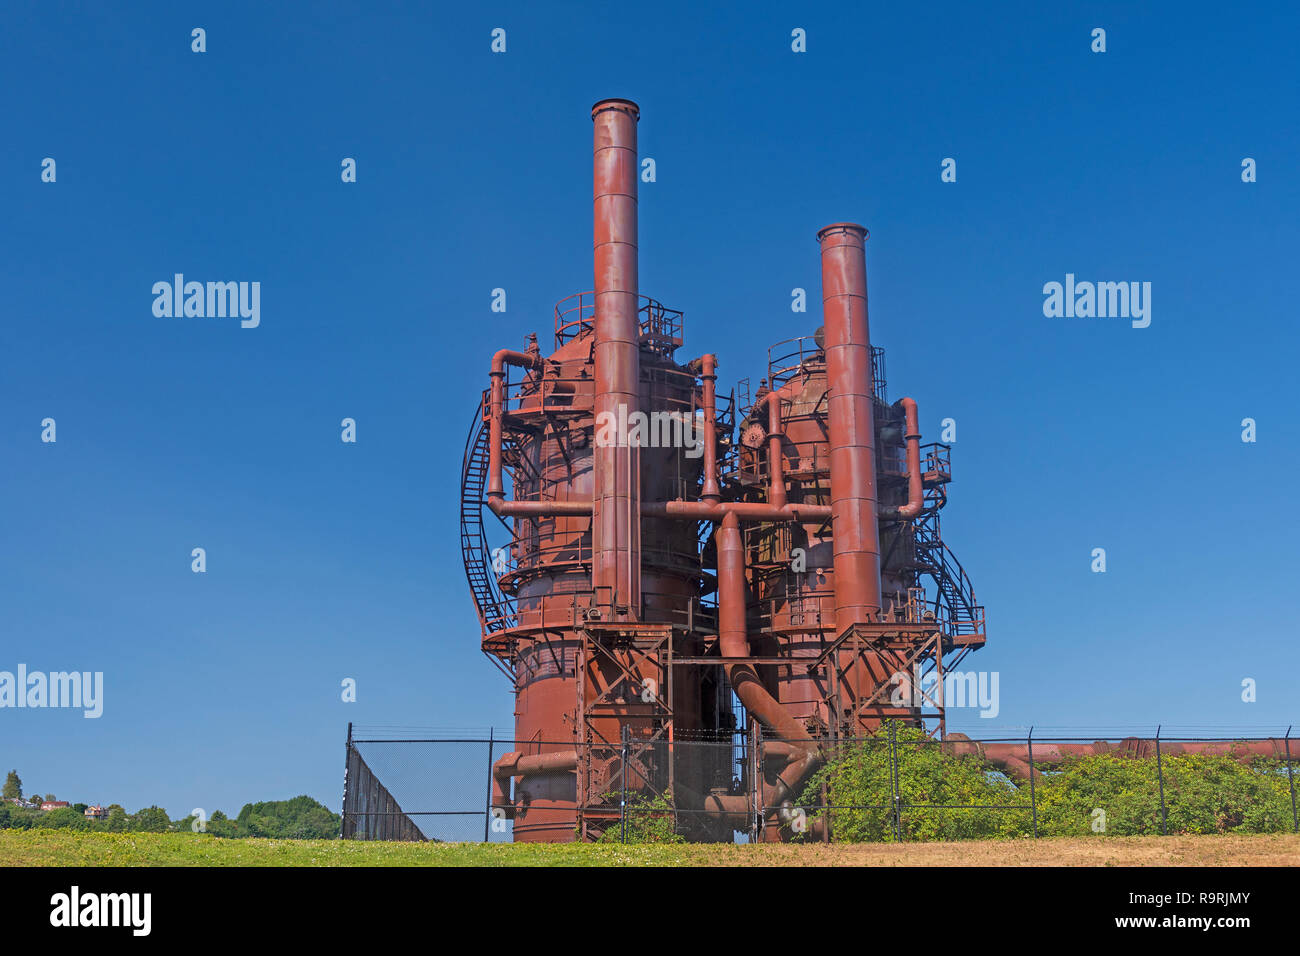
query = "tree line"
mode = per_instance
[{"x": 298, "y": 818}]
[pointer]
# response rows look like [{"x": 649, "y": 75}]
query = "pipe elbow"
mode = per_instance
[
  {"x": 915, "y": 484},
  {"x": 504, "y": 357}
]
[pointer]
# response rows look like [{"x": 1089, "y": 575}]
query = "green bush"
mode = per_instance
[
  {"x": 649, "y": 820},
  {"x": 861, "y": 777},
  {"x": 1203, "y": 794}
]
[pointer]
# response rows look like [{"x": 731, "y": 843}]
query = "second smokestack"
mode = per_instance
[
  {"x": 856, "y": 536},
  {"x": 616, "y": 505}
]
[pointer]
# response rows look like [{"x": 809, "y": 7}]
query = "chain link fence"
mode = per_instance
[{"x": 897, "y": 785}]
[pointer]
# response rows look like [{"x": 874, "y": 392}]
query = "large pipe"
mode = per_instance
[
  {"x": 856, "y": 537},
  {"x": 515, "y": 764},
  {"x": 747, "y": 510},
  {"x": 496, "y": 410},
  {"x": 775, "y": 462},
  {"x": 708, "y": 365},
  {"x": 915, "y": 485},
  {"x": 616, "y": 525},
  {"x": 1014, "y": 758},
  {"x": 733, "y": 641}
]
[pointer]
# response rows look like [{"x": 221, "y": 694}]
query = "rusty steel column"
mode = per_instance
[
  {"x": 856, "y": 537},
  {"x": 616, "y": 506}
]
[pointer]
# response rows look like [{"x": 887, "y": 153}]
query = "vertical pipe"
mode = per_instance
[
  {"x": 616, "y": 509},
  {"x": 711, "y": 491},
  {"x": 915, "y": 484},
  {"x": 856, "y": 536},
  {"x": 775, "y": 463}
]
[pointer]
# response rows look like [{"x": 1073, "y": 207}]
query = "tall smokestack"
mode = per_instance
[
  {"x": 856, "y": 537},
  {"x": 616, "y": 506}
]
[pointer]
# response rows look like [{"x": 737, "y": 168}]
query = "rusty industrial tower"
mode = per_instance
[{"x": 688, "y": 566}]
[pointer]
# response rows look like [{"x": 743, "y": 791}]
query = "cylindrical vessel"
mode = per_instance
[
  {"x": 616, "y": 505},
  {"x": 852, "y": 428}
]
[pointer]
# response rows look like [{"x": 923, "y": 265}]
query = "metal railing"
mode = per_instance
[{"x": 662, "y": 329}]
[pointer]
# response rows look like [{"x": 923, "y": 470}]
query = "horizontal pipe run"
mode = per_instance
[
  {"x": 684, "y": 510},
  {"x": 538, "y": 509},
  {"x": 744, "y": 510},
  {"x": 1014, "y": 758}
]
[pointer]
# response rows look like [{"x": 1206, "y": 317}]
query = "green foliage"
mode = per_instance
[
  {"x": 13, "y": 789},
  {"x": 1203, "y": 794},
  {"x": 150, "y": 820},
  {"x": 301, "y": 818},
  {"x": 649, "y": 820},
  {"x": 65, "y": 818},
  {"x": 861, "y": 778}
]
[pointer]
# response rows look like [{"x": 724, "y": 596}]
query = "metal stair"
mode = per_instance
[
  {"x": 956, "y": 593},
  {"x": 495, "y": 611}
]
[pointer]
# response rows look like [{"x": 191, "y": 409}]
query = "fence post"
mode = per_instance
[
  {"x": 622, "y": 787},
  {"x": 1290, "y": 779},
  {"x": 347, "y": 763},
  {"x": 1033, "y": 804},
  {"x": 487, "y": 820},
  {"x": 756, "y": 782},
  {"x": 893, "y": 781},
  {"x": 1160, "y": 774}
]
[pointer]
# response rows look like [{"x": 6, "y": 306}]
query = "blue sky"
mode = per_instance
[{"x": 328, "y": 560}]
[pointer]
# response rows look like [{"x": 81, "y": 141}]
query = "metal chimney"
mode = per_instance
[
  {"x": 856, "y": 551},
  {"x": 616, "y": 505}
]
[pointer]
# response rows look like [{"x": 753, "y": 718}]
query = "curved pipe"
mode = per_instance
[
  {"x": 515, "y": 764},
  {"x": 733, "y": 641},
  {"x": 915, "y": 487},
  {"x": 528, "y": 360},
  {"x": 496, "y": 500}
]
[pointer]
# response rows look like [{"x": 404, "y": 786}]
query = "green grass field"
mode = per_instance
[{"x": 71, "y": 848}]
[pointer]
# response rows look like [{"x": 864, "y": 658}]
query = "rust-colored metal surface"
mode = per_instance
[
  {"x": 687, "y": 566},
  {"x": 852, "y": 425},
  {"x": 616, "y": 537}
]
